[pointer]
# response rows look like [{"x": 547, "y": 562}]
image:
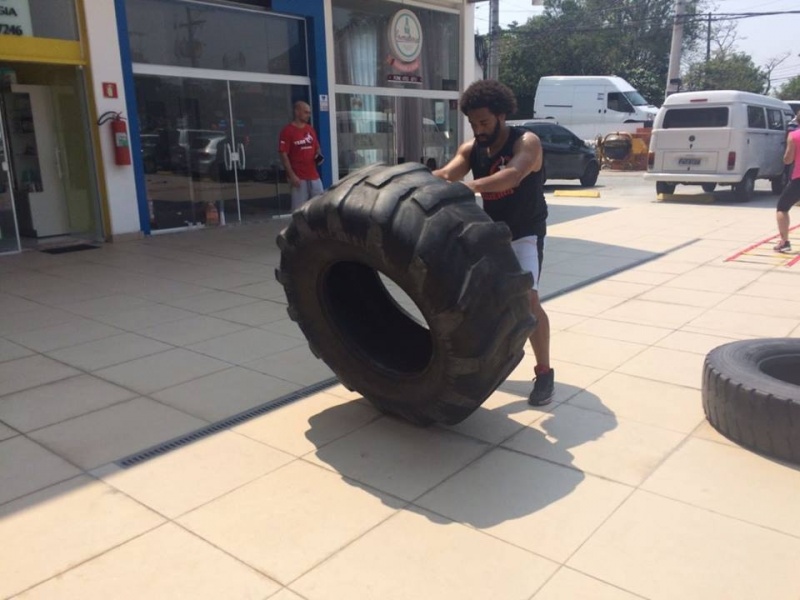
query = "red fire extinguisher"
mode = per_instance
[{"x": 119, "y": 136}]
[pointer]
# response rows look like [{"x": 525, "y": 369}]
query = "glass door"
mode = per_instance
[{"x": 9, "y": 235}]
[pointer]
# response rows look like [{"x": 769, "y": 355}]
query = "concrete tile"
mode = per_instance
[
  {"x": 498, "y": 418},
  {"x": 224, "y": 393},
  {"x": 229, "y": 281},
  {"x": 254, "y": 314},
  {"x": 29, "y": 320},
  {"x": 10, "y": 303},
  {"x": 526, "y": 502},
  {"x": 560, "y": 321},
  {"x": 286, "y": 594},
  {"x": 266, "y": 290},
  {"x": 668, "y": 265},
  {"x": 570, "y": 378},
  {"x": 28, "y": 372},
  {"x": 296, "y": 365},
  {"x": 716, "y": 279},
  {"x": 697, "y": 343},
  {"x": 619, "y": 289},
  {"x": 395, "y": 457},
  {"x": 285, "y": 327},
  {"x": 731, "y": 481},
  {"x": 76, "y": 331},
  {"x": 621, "y": 331},
  {"x": 190, "y": 331},
  {"x": 152, "y": 373},
  {"x": 669, "y": 366},
  {"x": 108, "y": 351},
  {"x": 6, "y": 432},
  {"x": 643, "y": 400},
  {"x": 706, "y": 431},
  {"x": 773, "y": 307},
  {"x": 10, "y": 350},
  {"x": 190, "y": 476},
  {"x": 210, "y": 302},
  {"x": 585, "y": 303},
  {"x": 310, "y": 514},
  {"x": 390, "y": 563},
  {"x": 662, "y": 549},
  {"x": 140, "y": 318},
  {"x": 597, "y": 443},
  {"x": 115, "y": 432},
  {"x": 48, "y": 404},
  {"x": 55, "y": 529},
  {"x": 642, "y": 276},
  {"x": 309, "y": 424},
  {"x": 245, "y": 346},
  {"x": 674, "y": 295},
  {"x": 601, "y": 353},
  {"x": 774, "y": 291},
  {"x": 26, "y": 467},
  {"x": 657, "y": 314},
  {"x": 734, "y": 323},
  {"x": 107, "y": 306},
  {"x": 197, "y": 570},
  {"x": 568, "y": 584}
]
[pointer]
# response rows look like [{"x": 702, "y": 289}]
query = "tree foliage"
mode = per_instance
[
  {"x": 791, "y": 89},
  {"x": 727, "y": 71},
  {"x": 628, "y": 38}
]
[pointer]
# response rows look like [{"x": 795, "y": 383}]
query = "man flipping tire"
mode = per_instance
[{"x": 506, "y": 164}]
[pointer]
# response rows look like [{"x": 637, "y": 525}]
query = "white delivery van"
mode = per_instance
[
  {"x": 592, "y": 106},
  {"x": 718, "y": 137}
]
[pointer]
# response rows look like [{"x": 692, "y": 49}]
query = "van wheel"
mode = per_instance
[
  {"x": 708, "y": 187},
  {"x": 433, "y": 241},
  {"x": 589, "y": 177},
  {"x": 662, "y": 187},
  {"x": 779, "y": 183},
  {"x": 743, "y": 191}
]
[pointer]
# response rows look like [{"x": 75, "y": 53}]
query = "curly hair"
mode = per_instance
[{"x": 491, "y": 94}]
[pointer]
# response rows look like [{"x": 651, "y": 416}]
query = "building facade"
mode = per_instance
[{"x": 123, "y": 118}]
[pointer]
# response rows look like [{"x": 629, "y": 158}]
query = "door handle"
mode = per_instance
[{"x": 242, "y": 157}]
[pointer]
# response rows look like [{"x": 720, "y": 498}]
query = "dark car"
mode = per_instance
[{"x": 566, "y": 156}]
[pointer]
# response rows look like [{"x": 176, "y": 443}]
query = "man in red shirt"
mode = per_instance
[{"x": 299, "y": 151}]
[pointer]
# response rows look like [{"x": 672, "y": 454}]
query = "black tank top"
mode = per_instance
[{"x": 522, "y": 208}]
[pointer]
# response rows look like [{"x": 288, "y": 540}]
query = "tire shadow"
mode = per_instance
[{"x": 505, "y": 462}]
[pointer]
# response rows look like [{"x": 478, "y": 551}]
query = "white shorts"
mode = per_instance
[
  {"x": 307, "y": 189},
  {"x": 530, "y": 251}
]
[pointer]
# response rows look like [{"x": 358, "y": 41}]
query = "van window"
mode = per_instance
[
  {"x": 775, "y": 119},
  {"x": 691, "y": 118},
  {"x": 618, "y": 102},
  {"x": 755, "y": 118}
]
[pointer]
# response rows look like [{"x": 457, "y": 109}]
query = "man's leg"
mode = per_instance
[
  {"x": 315, "y": 187},
  {"x": 789, "y": 197},
  {"x": 299, "y": 195}
]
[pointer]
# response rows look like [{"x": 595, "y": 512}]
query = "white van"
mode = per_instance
[
  {"x": 718, "y": 137},
  {"x": 592, "y": 106}
]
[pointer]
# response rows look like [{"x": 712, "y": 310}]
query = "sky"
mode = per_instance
[{"x": 763, "y": 38}]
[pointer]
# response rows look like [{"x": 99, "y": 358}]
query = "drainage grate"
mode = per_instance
[
  {"x": 236, "y": 419},
  {"x": 72, "y": 248}
]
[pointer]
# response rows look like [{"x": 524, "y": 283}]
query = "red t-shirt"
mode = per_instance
[{"x": 301, "y": 145}]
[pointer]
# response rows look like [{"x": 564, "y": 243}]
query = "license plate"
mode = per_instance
[{"x": 689, "y": 161}]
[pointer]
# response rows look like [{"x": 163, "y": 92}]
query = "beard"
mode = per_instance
[{"x": 484, "y": 141}]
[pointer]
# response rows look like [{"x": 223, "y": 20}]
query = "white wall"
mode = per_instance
[{"x": 106, "y": 66}]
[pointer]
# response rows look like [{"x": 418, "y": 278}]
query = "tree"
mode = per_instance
[
  {"x": 791, "y": 89},
  {"x": 727, "y": 71}
]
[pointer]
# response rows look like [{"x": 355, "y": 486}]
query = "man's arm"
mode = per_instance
[
  {"x": 290, "y": 176},
  {"x": 791, "y": 151},
  {"x": 527, "y": 158},
  {"x": 458, "y": 166}
]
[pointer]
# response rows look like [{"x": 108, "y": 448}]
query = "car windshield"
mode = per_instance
[{"x": 636, "y": 98}]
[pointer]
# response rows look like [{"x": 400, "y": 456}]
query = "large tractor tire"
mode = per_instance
[
  {"x": 751, "y": 394},
  {"x": 434, "y": 242}
]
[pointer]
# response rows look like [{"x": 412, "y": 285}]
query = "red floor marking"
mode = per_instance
[{"x": 764, "y": 241}]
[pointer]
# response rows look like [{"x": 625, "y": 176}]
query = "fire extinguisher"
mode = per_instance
[{"x": 119, "y": 136}]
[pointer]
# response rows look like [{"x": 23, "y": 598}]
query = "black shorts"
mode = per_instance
[{"x": 790, "y": 196}]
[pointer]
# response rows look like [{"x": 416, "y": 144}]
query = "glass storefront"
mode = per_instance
[
  {"x": 397, "y": 82},
  {"x": 53, "y": 19},
  {"x": 214, "y": 86}
]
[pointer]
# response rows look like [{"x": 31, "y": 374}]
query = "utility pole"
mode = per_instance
[
  {"x": 708, "y": 40},
  {"x": 674, "y": 72},
  {"x": 494, "y": 39}
]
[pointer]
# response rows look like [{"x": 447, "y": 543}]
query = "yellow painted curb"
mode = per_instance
[
  {"x": 577, "y": 193},
  {"x": 687, "y": 198}
]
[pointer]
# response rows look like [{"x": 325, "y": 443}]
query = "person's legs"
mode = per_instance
[
  {"x": 300, "y": 194},
  {"x": 530, "y": 253},
  {"x": 315, "y": 188},
  {"x": 789, "y": 197}
]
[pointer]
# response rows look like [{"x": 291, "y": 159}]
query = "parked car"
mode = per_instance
[{"x": 566, "y": 156}]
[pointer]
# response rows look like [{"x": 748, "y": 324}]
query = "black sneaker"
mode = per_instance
[
  {"x": 783, "y": 246},
  {"x": 543, "y": 389}
]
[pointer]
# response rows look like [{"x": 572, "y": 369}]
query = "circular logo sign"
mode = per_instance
[{"x": 405, "y": 35}]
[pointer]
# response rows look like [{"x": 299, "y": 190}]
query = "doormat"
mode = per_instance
[{"x": 73, "y": 248}]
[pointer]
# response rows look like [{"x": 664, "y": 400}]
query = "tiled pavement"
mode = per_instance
[{"x": 619, "y": 490}]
